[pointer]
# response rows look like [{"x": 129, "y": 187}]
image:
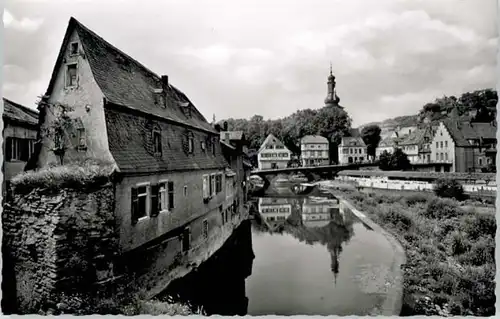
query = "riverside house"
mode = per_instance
[
  {"x": 273, "y": 154},
  {"x": 464, "y": 146},
  {"x": 352, "y": 150},
  {"x": 314, "y": 150},
  {"x": 19, "y": 133},
  {"x": 168, "y": 158}
]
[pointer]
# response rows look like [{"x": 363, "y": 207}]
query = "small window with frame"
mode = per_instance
[
  {"x": 190, "y": 143},
  {"x": 71, "y": 75},
  {"x": 73, "y": 49},
  {"x": 82, "y": 140},
  {"x": 157, "y": 149}
]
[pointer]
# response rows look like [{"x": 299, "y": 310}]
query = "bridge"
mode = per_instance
[{"x": 312, "y": 173}]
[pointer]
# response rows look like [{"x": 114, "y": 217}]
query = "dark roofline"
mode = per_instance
[
  {"x": 146, "y": 114},
  {"x": 35, "y": 113},
  {"x": 72, "y": 24}
]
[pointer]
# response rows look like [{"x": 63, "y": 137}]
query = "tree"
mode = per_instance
[
  {"x": 396, "y": 161},
  {"x": 449, "y": 188},
  {"x": 371, "y": 137}
]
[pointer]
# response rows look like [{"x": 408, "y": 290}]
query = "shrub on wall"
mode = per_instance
[{"x": 449, "y": 188}]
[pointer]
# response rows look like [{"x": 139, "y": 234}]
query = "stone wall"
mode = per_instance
[{"x": 54, "y": 242}]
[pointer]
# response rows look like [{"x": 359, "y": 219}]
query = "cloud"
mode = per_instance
[
  {"x": 24, "y": 24},
  {"x": 239, "y": 58}
]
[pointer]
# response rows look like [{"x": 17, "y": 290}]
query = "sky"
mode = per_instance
[{"x": 238, "y": 58}]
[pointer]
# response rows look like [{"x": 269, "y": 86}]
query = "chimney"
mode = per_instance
[
  {"x": 164, "y": 80},
  {"x": 225, "y": 126}
]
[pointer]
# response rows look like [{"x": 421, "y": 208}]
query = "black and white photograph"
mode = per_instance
[{"x": 249, "y": 157}]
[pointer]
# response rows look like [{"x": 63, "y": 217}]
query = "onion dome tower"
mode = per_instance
[{"x": 332, "y": 99}]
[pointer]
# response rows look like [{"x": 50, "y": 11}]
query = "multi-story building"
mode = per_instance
[
  {"x": 416, "y": 145},
  {"x": 20, "y": 134},
  {"x": 168, "y": 160},
  {"x": 273, "y": 154},
  {"x": 463, "y": 146},
  {"x": 352, "y": 150},
  {"x": 314, "y": 150}
]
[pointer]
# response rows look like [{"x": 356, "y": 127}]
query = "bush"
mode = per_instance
[
  {"x": 449, "y": 188},
  {"x": 398, "y": 217},
  {"x": 413, "y": 199},
  {"x": 479, "y": 224},
  {"x": 442, "y": 208}
]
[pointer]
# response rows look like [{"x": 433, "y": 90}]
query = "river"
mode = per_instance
[{"x": 300, "y": 255}]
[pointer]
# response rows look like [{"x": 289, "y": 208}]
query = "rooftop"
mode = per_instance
[{"x": 17, "y": 112}]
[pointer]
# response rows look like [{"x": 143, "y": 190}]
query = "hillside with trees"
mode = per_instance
[{"x": 480, "y": 101}]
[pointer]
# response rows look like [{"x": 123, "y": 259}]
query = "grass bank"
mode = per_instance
[{"x": 450, "y": 249}]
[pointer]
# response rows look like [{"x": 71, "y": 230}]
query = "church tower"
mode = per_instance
[{"x": 332, "y": 99}]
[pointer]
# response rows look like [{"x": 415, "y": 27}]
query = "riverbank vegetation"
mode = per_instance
[{"x": 450, "y": 248}]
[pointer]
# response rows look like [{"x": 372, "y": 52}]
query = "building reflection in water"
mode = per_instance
[{"x": 218, "y": 285}]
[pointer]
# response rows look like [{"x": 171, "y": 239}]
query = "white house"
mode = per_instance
[
  {"x": 352, "y": 150},
  {"x": 314, "y": 150},
  {"x": 388, "y": 145},
  {"x": 273, "y": 154}
]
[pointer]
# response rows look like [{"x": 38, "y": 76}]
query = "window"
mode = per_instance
[
  {"x": 480, "y": 160},
  {"x": 82, "y": 141},
  {"x": 206, "y": 186},
  {"x": 205, "y": 228},
  {"x": 437, "y": 144},
  {"x": 139, "y": 203},
  {"x": 441, "y": 144},
  {"x": 446, "y": 156},
  {"x": 71, "y": 75},
  {"x": 155, "y": 200},
  {"x": 157, "y": 142},
  {"x": 73, "y": 48},
  {"x": 190, "y": 143},
  {"x": 170, "y": 195},
  {"x": 218, "y": 183},
  {"x": 203, "y": 146},
  {"x": 211, "y": 186},
  {"x": 445, "y": 143},
  {"x": 185, "y": 191},
  {"x": 19, "y": 149}
]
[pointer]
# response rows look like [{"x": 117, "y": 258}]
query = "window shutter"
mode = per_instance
[
  {"x": 135, "y": 205},
  {"x": 8, "y": 148},
  {"x": 170, "y": 195},
  {"x": 155, "y": 203}
]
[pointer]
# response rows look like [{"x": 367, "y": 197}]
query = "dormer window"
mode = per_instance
[
  {"x": 159, "y": 97},
  {"x": 157, "y": 142},
  {"x": 190, "y": 143},
  {"x": 73, "y": 48}
]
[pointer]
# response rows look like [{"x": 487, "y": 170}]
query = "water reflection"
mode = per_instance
[{"x": 299, "y": 244}]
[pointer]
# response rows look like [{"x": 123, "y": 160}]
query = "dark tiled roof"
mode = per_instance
[
  {"x": 128, "y": 83},
  {"x": 464, "y": 131},
  {"x": 314, "y": 139},
  {"x": 19, "y": 113},
  {"x": 352, "y": 141},
  {"x": 417, "y": 137},
  {"x": 389, "y": 141},
  {"x": 131, "y": 145}
]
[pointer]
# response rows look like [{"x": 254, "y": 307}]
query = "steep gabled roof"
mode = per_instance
[
  {"x": 464, "y": 131},
  {"x": 389, "y": 141},
  {"x": 416, "y": 137},
  {"x": 314, "y": 139},
  {"x": 19, "y": 113},
  {"x": 126, "y": 82},
  {"x": 271, "y": 140}
]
